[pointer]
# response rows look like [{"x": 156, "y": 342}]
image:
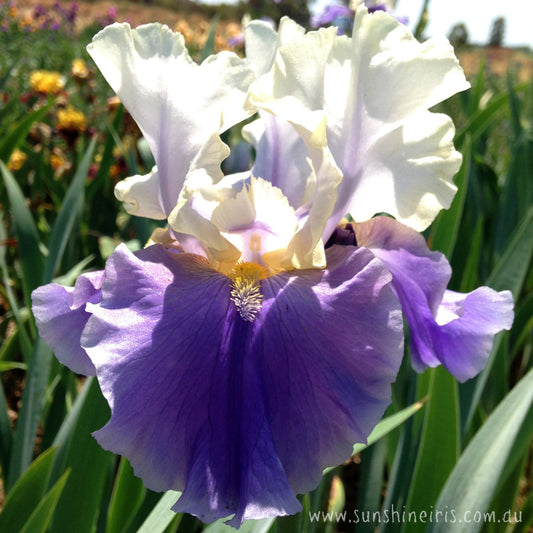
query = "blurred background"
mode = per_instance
[{"x": 65, "y": 141}]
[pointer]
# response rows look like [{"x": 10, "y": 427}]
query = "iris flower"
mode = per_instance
[{"x": 250, "y": 344}]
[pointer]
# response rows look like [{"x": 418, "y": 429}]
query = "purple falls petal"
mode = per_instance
[
  {"x": 61, "y": 316},
  {"x": 449, "y": 328},
  {"x": 241, "y": 415}
]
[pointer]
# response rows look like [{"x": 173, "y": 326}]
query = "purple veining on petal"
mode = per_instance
[
  {"x": 241, "y": 415},
  {"x": 449, "y": 328},
  {"x": 61, "y": 316}
]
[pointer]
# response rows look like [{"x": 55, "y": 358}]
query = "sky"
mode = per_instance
[{"x": 477, "y": 16}]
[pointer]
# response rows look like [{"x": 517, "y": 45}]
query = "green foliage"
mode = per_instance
[{"x": 441, "y": 446}]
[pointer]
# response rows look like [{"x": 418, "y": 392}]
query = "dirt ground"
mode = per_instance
[{"x": 134, "y": 13}]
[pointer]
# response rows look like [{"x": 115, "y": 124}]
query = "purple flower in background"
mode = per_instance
[
  {"x": 39, "y": 11},
  {"x": 342, "y": 16},
  {"x": 331, "y": 13},
  {"x": 250, "y": 344}
]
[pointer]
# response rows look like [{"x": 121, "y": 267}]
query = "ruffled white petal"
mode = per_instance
[
  {"x": 393, "y": 79},
  {"x": 140, "y": 195},
  {"x": 281, "y": 156},
  {"x": 369, "y": 97},
  {"x": 261, "y": 42},
  {"x": 408, "y": 172},
  {"x": 177, "y": 104}
]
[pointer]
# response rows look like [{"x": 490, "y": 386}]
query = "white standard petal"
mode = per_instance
[
  {"x": 259, "y": 221},
  {"x": 140, "y": 195},
  {"x": 373, "y": 92},
  {"x": 281, "y": 156},
  {"x": 379, "y": 86},
  {"x": 408, "y": 171},
  {"x": 261, "y": 42},
  {"x": 176, "y": 103}
]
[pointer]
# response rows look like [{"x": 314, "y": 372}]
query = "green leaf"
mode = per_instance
[
  {"x": 101, "y": 181},
  {"x": 31, "y": 259},
  {"x": 70, "y": 211},
  {"x": 161, "y": 515},
  {"x": 69, "y": 278},
  {"x": 509, "y": 273},
  {"x": 126, "y": 498},
  {"x": 79, "y": 505},
  {"x": 30, "y": 411},
  {"x": 384, "y": 427},
  {"x": 11, "y": 139},
  {"x": 21, "y": 333},
  {"x": 445, "y": 229},
  {"x": 507, "y": 494},
  {"x": 474, "y": 479},
  {"x": 209, "y": 46},
  {"x": 40, "y": 518},
  {"x": 6, "y": 435},
  {"x": 439, "y": 446},
  {"x": 10, "y": 365},
  {"x": 388, "y": 424},
  {"x": 526, "y": 516},
  {"x": 470, "y": 275},
  {"x": 249, "y": 526},
  {"x": 370, "y": 488},
  {"x": 480, "y": 121},
  {"x": 26, "y": 494}
]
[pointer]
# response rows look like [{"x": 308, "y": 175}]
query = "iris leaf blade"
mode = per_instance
[
  {"x": 480, "y": 121},
  {"x": 6, "y": 435},
  {"x": 26, "y": 494},
  {"x": 30, "y": 411},
  {"x": 249, "y": 526},
  {"x": 472, "y": 483},
  {"x": 79, "y": 504},
  {"x": 31, "y": 259},
  {"x": 439, "y": 447},
  {"x": 14, "y": 137},
  {"x": 510, "y": 273},
  {"x": 126, "y": 498},
  {"x": 385, "y": 426},
  {"x": 161, "y": 515},
  {"x": 40, "y": 518},
  {"x": 389, "y": 423},
  {"x": 70, "y": 210},
  {"x": 445, "y": 229}
]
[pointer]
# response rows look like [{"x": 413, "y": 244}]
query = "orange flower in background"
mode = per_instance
[
  {"x": 79, "y": 70},
  {"x": 16, "y": 160},
  {"x": 46, "y": 81},
  {"x": 70, "y": 119},
  {"x": 57, "y": 161},
  {"x": 112, "y": 103}
]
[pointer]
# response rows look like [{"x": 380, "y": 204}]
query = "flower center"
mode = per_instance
[{"x": 246, "y": 289}]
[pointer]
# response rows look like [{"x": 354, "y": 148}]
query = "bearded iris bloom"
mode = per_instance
[{"x": 250, "y": 344}]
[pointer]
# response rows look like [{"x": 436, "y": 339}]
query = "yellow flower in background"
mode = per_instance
[
  {"x": 57, "y": 161},
  {"x": 70, "y": 119},
  {"x": 46, "y": 81},
  {"x": 80, "y": 70},
  {"x": 16, "y": 160}
]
